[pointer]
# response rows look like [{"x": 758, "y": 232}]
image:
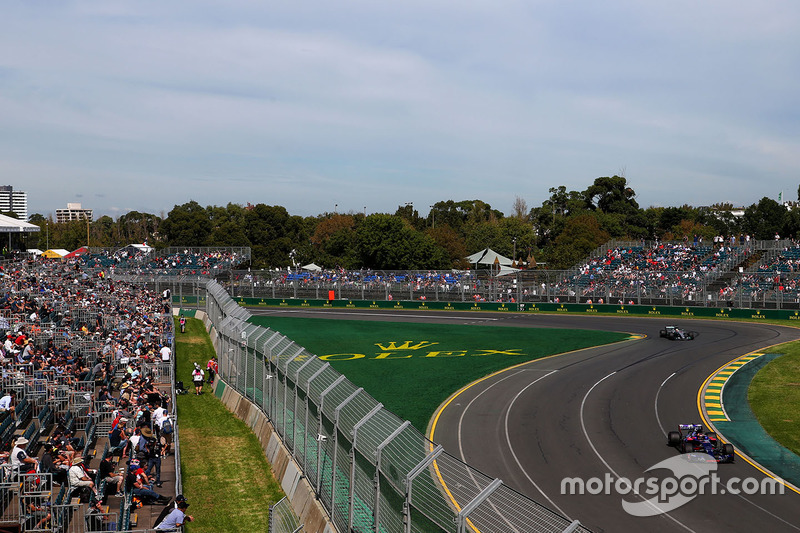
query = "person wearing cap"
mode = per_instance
[
  {"x": 78, "y": 477},
  {"x": 20, "y": 460},
  {"x": 138, "y": 483},
  {"x": 117, "y": 438},
  {"x": 197, "y": 378},
  {"x": 176, "y": 518}
]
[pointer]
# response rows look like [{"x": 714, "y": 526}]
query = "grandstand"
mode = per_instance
[
  {"x": 72, "y": 338},
  {"x": 725, "y": 274}
]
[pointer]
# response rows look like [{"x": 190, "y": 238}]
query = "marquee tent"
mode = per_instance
[
  {"x": 312, "y": 267},
  {"x": 55, "y": 253},
  {"x": 75, "y": 253},
  {"x": 488, "y": 257},
  {"x": 13, "y": 225}
]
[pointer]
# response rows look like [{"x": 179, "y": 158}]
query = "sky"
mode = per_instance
[{"x": 361, "y": 105}]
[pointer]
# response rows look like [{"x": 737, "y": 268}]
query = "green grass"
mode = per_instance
[
  {"x": 413, "y": 380},
  {"x": 774, "y": 396},
  {"x": 226, "y": 477}
]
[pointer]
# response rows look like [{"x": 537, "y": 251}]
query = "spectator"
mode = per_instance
[
  {"x": 176, "y": 518},
  {"x": 20, "y": 460},
  {"x": 153, "y": 453},
  {"x": 197, "y": 378},
  {"x": 5, "y": 403},
  {"x": 106, "y": 470},
  {"x": 78, "y": 477},
  {"x": 212, "y": 366},
  {"x": 118, "y": 438}
]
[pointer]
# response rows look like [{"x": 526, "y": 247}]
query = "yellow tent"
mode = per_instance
[{"x": 55, "y": 253}]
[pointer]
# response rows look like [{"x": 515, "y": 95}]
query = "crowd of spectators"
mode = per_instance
[
  {"x": 86, "y": 375},
  {"x": 187, "y": 261}
]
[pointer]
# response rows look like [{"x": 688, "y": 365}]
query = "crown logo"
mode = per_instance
[{"x": 392, "y": 347}]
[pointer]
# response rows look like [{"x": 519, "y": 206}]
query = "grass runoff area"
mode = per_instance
[
  {"x": 412, "y": 368},
  {"x": 774, "y": 396},
  {"x": 226, "y": 477}
]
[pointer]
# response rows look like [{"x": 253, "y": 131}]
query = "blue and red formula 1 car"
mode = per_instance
[{"x": 704, "y": 446}]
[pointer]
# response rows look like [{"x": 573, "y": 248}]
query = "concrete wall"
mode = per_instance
[{"x": 299, "y": 492}]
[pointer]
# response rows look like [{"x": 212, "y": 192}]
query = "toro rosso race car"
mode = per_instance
[
  {"x": 704, "y": 446},
  {"x": 674, "y": 333}
]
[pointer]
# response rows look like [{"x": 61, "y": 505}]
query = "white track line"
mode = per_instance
[{"x": 597, "y": 453}]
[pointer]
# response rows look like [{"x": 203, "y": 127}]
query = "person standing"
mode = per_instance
[
  {"x": 183, "y": 324},
  {"x": 197, "y": 378},
  {"x": 212, "y": 366}
]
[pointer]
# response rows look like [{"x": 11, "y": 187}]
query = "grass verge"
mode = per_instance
[
  {"x": 226, "y": 477},
  {"x": 774, "y": 396},
  {"x": 412, "y": 368}
]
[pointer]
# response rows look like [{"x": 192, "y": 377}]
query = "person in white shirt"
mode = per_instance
[{"x": 166, "y": 354}]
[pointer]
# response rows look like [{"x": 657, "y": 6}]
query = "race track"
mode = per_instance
[{"x": 598, "y": 411}]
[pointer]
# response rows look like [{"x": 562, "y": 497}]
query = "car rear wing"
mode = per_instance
[{"x": 690, "y": 426}]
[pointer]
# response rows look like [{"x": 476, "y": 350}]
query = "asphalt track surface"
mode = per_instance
[{"x": 601, "y": 411}]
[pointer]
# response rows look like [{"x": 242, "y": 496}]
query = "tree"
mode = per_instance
[
  {"x": 386, "y": 242},
  {"x": 581, "y": 235},
  {"x": 520, "y": 208},
  {"x": 612, "y": 195},
  {"x": 187, "y": 225},
  {"x": 765, "y": 219}
]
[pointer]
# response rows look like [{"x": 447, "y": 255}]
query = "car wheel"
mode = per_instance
[
  {"x": 673, "y": 438},
  {"x": 688, "y": 447},
  {"x": 727, "y": 449}
]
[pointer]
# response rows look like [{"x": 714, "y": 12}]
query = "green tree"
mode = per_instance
[
  {"x": 386, "y": 242},
  {"x": 612, "y": 195},
  {"x": 187, "y": 225},
  {"x": 765, "y": 219},
  {"x": 581, "y": 235}
]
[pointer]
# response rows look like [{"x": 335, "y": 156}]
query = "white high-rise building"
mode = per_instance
[
  {"x": 12, "y": 201},
  {"x": 73, "y": 212}
]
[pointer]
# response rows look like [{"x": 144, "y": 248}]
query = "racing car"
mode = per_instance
[
  {"x": 674, "y": 333},
  {"x": 690, "y": 438}
]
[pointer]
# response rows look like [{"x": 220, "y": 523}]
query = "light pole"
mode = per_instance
[
  {"x": 433, "y": 214},
  {"x": 47, "y": 225},
  {"x": 335, "y": 207}
]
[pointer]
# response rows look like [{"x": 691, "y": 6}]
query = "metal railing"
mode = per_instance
[{"x": 372, "y": 471}]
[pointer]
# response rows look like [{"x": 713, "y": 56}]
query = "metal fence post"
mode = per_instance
[
  {"x": 294, "y": 425},
  {"x": 463, "y": 515},
  {"x": 336, "y": 413},
  {"x": 319, "y": 432},
  {"x": 425, "y": 463},
  {"x": 377, "y": 480},
  {"x": 356, "y": 427}
]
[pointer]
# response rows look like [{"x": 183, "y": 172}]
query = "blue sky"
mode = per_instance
[{"x": 143, "y": 105}]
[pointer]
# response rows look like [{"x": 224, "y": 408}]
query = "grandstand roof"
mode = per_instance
[{"x": 13, "y": 225}]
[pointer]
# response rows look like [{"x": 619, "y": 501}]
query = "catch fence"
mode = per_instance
[{"x": 372, "y": 471}]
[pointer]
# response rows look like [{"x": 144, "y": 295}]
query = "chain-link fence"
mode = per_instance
[{"x": 372, "y": 471}]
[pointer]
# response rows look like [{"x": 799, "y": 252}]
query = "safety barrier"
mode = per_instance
[{"x": 371, "y": 471}]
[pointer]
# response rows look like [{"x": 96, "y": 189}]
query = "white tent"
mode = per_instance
[
  {"x": 13, "y": 225},
  {"x": 489, "y": 257},
  {"x": 506, "y": 270},
  {"x": 312, "y": 267}
]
